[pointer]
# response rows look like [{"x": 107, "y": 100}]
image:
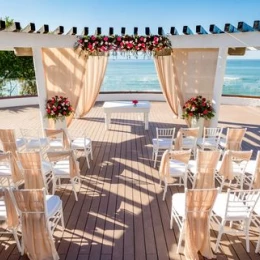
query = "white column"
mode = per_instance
[
  {"x": 40, "y": 82},
  {"x": 218, "y": 84}
]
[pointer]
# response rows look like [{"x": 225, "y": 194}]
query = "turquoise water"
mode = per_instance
[{"x": 242, "y": 76}]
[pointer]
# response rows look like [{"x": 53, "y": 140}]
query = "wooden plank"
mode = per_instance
[
  {"x": 30, "y": 28},
  {"x": 44, "y": 29}
]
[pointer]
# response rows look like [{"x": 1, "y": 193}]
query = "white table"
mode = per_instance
[{"x": 126, "y": 107}]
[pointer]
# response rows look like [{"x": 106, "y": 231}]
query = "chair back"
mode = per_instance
[
  {"x": 32, "y": 167},
  {"x": 256, "y": 175},
  {"x": 68, "y": 155},
  {"x": 165, "y": 134},
  {"x": 181, "y": 156},
  {"x": 240, "y": 203},
  {"x": 57, "y": 136},
  {"x": 198, "y": 207},
  {"x": 211, "y": 137},
  {"x": 234, "y": 160},
  {"x": 36, "y": 234},
  {"x": 187, "y": 139},
  {"x": 7, "y": 137},
  {"x": 234, "y": 138},
  {"x": 206, "y": 164},
  {"x": 8, "y": 164}
]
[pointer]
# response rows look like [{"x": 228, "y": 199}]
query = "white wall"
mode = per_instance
[{"x": 27, "y": 101}]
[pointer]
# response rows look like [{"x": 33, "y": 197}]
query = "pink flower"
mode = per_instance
[
  {"x": 118, "y": 39},
  {"x": 93, "y": 38},
  {"x": 105, "y": 38}
]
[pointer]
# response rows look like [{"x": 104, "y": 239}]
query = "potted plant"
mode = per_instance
[
  {"x": 57, "y": 108},
  {"x": 196, "y": 109}
]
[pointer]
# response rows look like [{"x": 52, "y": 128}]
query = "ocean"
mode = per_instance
[{"x": 242, "y": 77}]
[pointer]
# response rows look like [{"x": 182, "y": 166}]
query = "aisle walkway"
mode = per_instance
[{"x": 120, "y": 213}]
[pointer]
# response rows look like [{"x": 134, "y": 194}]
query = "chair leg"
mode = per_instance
[
  {"x": 180, "y": 238},
  {"x": 223, "y": 223},
  {"x": 257, "y": 245},
  {"x": 74, "y": 190},
  {"x": 54, "y": 185},
  {"x": 171, "y": 221},
  {"x": 17, "y": 240},
  {"x": 62, "y": 218},
  {"x": 155, "y": 159},
  {"x": 91, "y": 152},
  {"x": 165, "y": 190},
  {"x": 247, "y": 235}
]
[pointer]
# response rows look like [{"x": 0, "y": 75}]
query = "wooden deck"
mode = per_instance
[{"x": 120, "y": 213}]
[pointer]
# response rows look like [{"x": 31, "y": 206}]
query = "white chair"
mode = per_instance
[
  {"x": 256, "y": 221},
  {"x": 252, "y": 173},
  {"x": 39, "y": 216},
  {"x": 190, "y": 209},
  {"x": 210, "y": 139},
  {"x": 233, "y": 167},
  {"x": 233, "y": 140},
  {"x": 64, "y": 166},
  {"x": 82, "y": 143},
  {"x": 35, "y": 175},
  {"x": 33, "y": 139},
  {"x": 9, "y": 136},
  {"x": 202, "y": 170},
  {"x": 163, "y": 141},
  {"x": 235, "y": 206},
  {"x": 187, "y": 139},
  {"x": 9, "y": 215},
  {"x": 174, "y": 165}
]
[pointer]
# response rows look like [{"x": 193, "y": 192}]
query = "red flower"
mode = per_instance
[
  {"x": 135, "y": 102},
  {"x": 118, "y": 39},
  {"x": 105, "y": 38},
  {"x": 190, "y": 114}
]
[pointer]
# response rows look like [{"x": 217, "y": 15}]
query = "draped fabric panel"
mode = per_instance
[
  {"x": 197, "y": 231},
  {"x": 94, "y": 76},
  {"x": 167, "y": 77},
  {"x": 185, "y": 74},
  {"x": 256, "y": 183},
  {"x": 38, "y": 243},
  {"x": 64, "y": 74}
]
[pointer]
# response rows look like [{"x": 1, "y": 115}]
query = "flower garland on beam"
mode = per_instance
[{"x": 125, "y": 44}]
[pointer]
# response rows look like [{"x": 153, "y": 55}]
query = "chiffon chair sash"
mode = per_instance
[
  {"x": 53, "y": 133},
  {"x": 7, "y": 137},
  {"x": 226, "y": 168},
  {"x": 206, "y": 166},
  {"x": 66, "y": 155},
  {"x": 188, "y": 132},
  {"x": 37, "y": 240},
  {"x": 31, "y": 163},
  {"x": 15, "y": 169},
  {"x": 181, "y": 156},
  {"x": 12, "y": 219},
  {"x": 234, "y": 138},
  {"x": 198, "y": 205},
  {"x": 256, "y": 183}
]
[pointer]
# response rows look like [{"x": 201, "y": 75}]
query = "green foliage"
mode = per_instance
[{"x": 16, "y": 69}]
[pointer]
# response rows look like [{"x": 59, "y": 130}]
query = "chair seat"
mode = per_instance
[
  {"x": 80, "y": 143},
  {"x": 5, "y": 170},
  {"x": 208, "y": 142},
  {"x": 62, "y": 168},
  {"x": 192, "y": 166},
  {"x": 219, "y": 208},
  {"x": 177, "y": 168},
  {"x": 3, "y": 215},
  {"x": 222, "y": 142},
  {"x": 46, "y": 166},
  {"x": 178, "y": 200},
  {"x": 20, "y": 142},
  {"x": 250, "y": 167},
  {"x": 36, "y": 143},
  {"x": 56, "y": 144},
  {"x": 53, "y": 204},
  {"x": 162, "y": 143},
  {"x": 188, "y": 142}
]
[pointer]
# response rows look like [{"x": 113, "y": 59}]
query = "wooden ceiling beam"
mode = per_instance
[
  {"x": 15, "y": 27},
  {"x": 186, "y": 30},
  {"x": 30, "y": 28},
  {"x": 72, "y": 31},
  {"x": 244, "y": 27},
  {"x": 214, "y": 29},
  {"x": 173, "y": 31},
  {"x": 59, "y": 30},
  {"x": 230, "y": 28},
  {"x": 44, "y": 29},
  {"x": 85, "y": 31},
  {"x": 200, "y": 30}
]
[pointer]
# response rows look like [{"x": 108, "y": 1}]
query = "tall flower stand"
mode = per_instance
[
  {"x": 59, "y": 123},
  {"x": 198, "y": 122}
]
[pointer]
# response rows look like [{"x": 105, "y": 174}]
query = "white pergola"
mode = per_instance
[{"x": 243, "y": 36}]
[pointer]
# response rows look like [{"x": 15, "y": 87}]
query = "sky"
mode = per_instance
[{"x": 132, "y": 13}]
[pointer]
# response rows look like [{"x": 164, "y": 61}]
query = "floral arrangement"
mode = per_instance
[
  {"x": 198, "y": 107},
  {"x": 96, "y": 44},
  {"x": 57, "y": 107},
  {"x": 135, "y": 102}
]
